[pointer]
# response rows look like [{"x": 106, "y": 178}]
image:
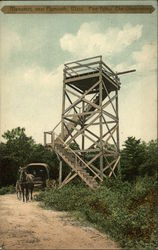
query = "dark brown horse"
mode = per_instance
[
  {"x": 30, "y": 184},
  {"x": 27, "y": 185}
]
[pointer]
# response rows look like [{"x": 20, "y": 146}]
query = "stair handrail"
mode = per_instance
[
  {"x": 52, "y": 131},
  {"x": 56, "y": 126},
  {"x": 67, "y": 146}
]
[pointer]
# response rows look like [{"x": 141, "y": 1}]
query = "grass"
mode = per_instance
[{"x": 125, "y": 211}]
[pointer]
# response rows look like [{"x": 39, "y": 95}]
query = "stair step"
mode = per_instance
[{"x": 80, "y": 168}]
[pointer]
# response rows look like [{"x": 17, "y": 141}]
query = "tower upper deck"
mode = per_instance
[{"x": 83, "y": 74}]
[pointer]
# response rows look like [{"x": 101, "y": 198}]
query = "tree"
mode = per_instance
[
  {"x": 139, "y": 159},
  {"x": 8, "y": 166},
  {"x": 19, "y": 146},
  {"x": 150, "y": 165},
  {"x": 20, "y": 150},
  {"x": 132, "y": 156},
  {"x": 14, "y": 153}
]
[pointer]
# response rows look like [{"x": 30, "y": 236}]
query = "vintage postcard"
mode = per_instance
[{"x": 78, "y": 104}]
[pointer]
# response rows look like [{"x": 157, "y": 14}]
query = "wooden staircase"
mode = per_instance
[{"x": 77, "y": 165}]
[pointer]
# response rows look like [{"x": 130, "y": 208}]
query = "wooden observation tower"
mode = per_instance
[{"x": 89, "y": 137}]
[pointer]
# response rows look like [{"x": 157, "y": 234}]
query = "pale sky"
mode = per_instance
[{"x": 33, "y": 49}]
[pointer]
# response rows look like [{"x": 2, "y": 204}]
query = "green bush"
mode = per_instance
[
  {"x": 124, "y": 210},
  {"x": 7, "y": 190},
  {"x": 138, "y": 158}
]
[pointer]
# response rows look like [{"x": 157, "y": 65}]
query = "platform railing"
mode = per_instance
[
  {"x": 83, "y": 60},
  {"x": 81, "y": 69},
  {"x": 89, "y": 65}
]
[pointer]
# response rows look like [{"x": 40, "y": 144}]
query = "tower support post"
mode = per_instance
[
  {"x": 63, "y": 105},
  {"x": 60, "y": 173},
  {"x": 117, "y": 133},
  {"x": 101, "y": 122}
]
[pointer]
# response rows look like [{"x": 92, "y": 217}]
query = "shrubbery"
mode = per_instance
[
  {"x": 7, "y": 190},
  {"x": 123, "y": 210}
]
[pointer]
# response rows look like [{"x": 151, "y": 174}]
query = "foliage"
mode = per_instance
[
  {"x": 8, "y": 166},
  {"x": 18, "y": 144},
  {"x": 74, "y": 146},
  {"x": 150, "y": 165},
  {"x": 20, "y": 150},
  {"x": 124, "y": 210},
  {"x": 138, "y": 159},
  {"x": 7, "y": 190}
]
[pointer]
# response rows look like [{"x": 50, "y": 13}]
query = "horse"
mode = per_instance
[
  {"x": 30, "y": 184},
  {"x": 26, "y": 185},
  {"x": 18, "y": 189}
]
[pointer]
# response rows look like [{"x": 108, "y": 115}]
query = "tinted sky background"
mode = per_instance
[{"x": 33, "y": 49}]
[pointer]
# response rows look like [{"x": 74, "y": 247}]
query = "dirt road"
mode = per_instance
[{"x": 27, "y": 226}]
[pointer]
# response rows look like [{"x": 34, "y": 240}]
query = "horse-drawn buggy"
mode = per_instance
[{"x": 33, "y": 175}]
